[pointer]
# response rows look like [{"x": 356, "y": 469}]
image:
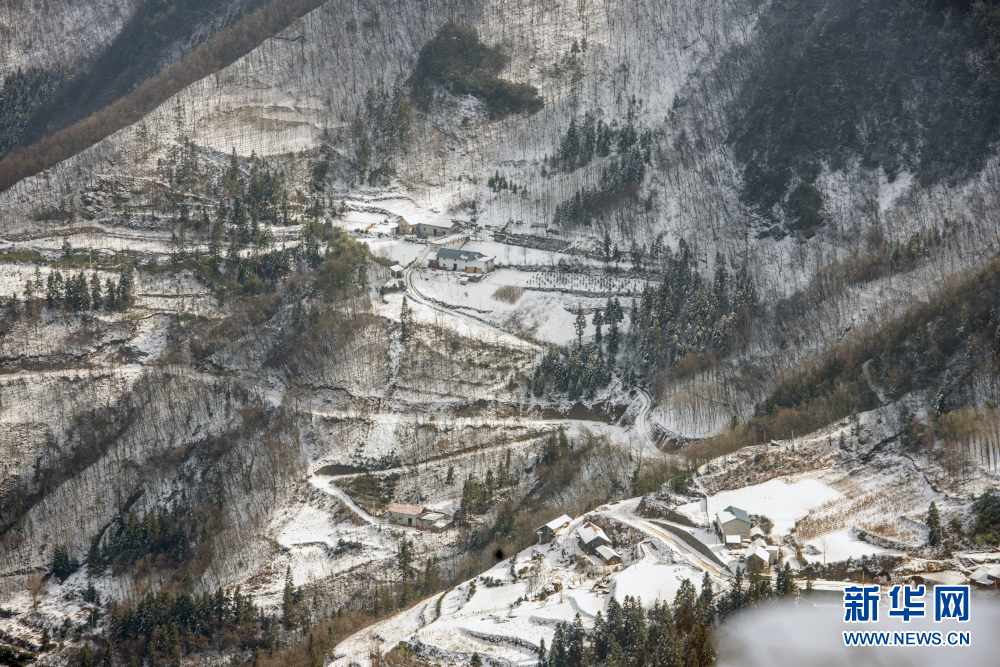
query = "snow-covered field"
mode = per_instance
[
  {"x": 782, "y": 501},
  {"x": 541, "y": 312},
  {"x": 841, "y": 545},
  {"x": 400, "y": 252}
]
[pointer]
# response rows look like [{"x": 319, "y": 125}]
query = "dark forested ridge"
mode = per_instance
[{"x": 908, "y": 85}]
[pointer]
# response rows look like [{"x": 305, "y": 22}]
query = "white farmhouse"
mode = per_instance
[
  {"x": 417, "y": 517},
  {"x": 466, "y": 261}
]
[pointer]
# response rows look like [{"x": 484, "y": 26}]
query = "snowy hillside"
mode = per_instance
[{"x": 510, "y": 611}]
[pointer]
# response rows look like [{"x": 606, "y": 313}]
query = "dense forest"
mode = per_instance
[
  {"x": 147, "y": 44},
  {"x": 621, "y": 176},
  {"x": 21, "y": 96}
]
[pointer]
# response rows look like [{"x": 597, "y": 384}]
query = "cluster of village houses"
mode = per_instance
[
  {"x": 592, "y": 539},
  {"x": 445, "y": 241},
  {"x": 733, "y": 525},
  {"x": 736, "y": 530}
]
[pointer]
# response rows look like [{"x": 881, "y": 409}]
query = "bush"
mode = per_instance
[
  {"x": 456, "y": 60},
  {"x": 986, "y": 510},
  {"x": 63, "y": 564},
  {"x": 343, "y": 267}
]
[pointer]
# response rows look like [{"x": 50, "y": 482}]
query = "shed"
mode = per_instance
[
  {"x": 733, "y": 541},
  {"x": 404, "y": 515},
  {"x": 772, "y": 554},
  {"x": 756, "y": 532},
  {"x": 440, "y": 526},
  {"x": 396, "y": 271},
  {"x": 986, "y": 575},
  {"x": 591, "y": 537},
  {"x": 428, "y": 518},
  {"x": 548, "y": 531},
  {"x": 608, "y": 555}
]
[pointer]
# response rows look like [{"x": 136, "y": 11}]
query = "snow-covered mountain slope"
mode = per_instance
[
  {"x": 269, "y": 382},
  {"x": 671, "y": 69}
]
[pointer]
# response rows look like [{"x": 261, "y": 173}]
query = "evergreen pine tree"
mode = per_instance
[
  {"x": 63, "y": 564},
  {"x": 736, "y": 594},
  {"x": 287, "y": 600},
  {"x": 404, "y": 556},
  {"x": 125, "y": 286},
  {"x": 706, "y": 591},
  {"x": 94, "y": 563},
  {"x": 110, "y": 294},
  {"x": 580, "y": 324},
  {"x": 933, "y": 525},
  {"x": 109, "y": 656},
  {"x": 598, "y": 321},
  {"x": 616, "y": 657},
  {"x": 215, "y": 242},
  {"x": 685, "y": 607},
  {"x": 790, "y": 587},
  {"x": 405, "y": 321}
]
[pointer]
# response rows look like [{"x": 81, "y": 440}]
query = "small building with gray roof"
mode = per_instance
[
  {"x": 733, "y": 521},
  {"x": 466, "y": 261}
]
